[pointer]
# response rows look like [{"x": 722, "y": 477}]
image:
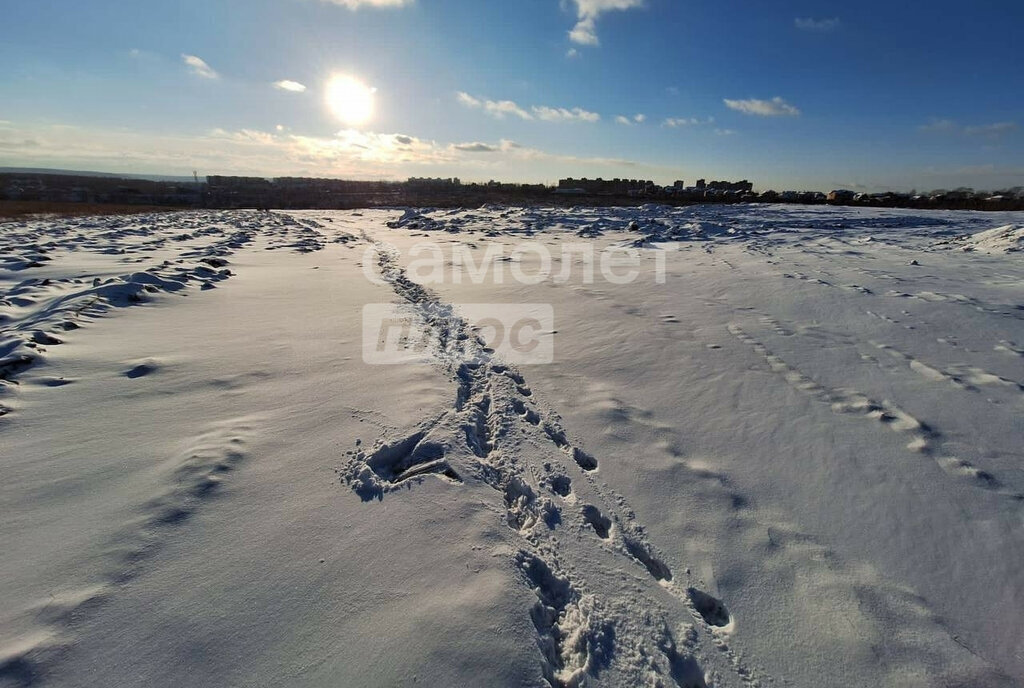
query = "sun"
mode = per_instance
[{"x": 350, "y": 99}]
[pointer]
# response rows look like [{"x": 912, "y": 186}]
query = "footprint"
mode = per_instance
[
  {"x": 584, "y": 460},
  {"x": 45, "y": 338},
  {"x": 642, "y": 553},
  {"x": 598, "y": 521},
  {"x": 54, "y": 381},
  {"x": 711, "y": 609},
  {"x": 561, "y": 485},
  {"x": 404, "y": 460},
  {"x": 684, "y": 670},
  {"x": 141, "y": 370},
  {"x": 527, "y": 413}
]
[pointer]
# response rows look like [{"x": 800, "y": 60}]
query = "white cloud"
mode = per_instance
[
  {"x": 348, "y": 153},
  {"x": 289, "y": 85},
  {"x": 629, "y": 121},
  {"x": 584, "y": 33},
  {"x": 498, "y": 109},
  {"x": 476, "y": 147},
  {"x": 356, "y": 4},
  {"x": 823, "y": 25},
  {"x": 572, "y": 52},
  {"x": 362, "y": 149},
  {"x": 467, "y": 100},
  {"x": 776, "y": 107},
  {"x": 504, "y": 146},
  {"x": 550, "y": 114},
  {"x": 587, "y": 14},
  {"x": 199, "y": 67},
  {"x": 724, "y": 132},
  {"x": 676, "y": 122}
]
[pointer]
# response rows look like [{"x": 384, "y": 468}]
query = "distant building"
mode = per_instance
[
  {"x": 841, "y": 196},
  {"x": 433, "y": 182},
  {"x": 742, "y": 186},
  {"x": 603, "y": 187}
]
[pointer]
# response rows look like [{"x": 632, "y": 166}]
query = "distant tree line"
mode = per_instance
[{"x": 305, "y": 192}]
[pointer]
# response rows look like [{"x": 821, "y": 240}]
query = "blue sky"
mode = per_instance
[{"x": 811, "y": 94}]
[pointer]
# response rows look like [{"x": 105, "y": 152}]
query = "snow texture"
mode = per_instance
[{"x": 787, "y": 453}]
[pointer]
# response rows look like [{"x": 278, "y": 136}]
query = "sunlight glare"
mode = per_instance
[{"x": 350, "y": 99}]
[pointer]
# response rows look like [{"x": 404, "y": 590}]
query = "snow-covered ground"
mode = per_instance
[{"x": 722, "y": 446}]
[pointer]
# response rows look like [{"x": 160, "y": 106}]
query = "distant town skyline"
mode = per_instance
[{"x": 792, "y": 95}]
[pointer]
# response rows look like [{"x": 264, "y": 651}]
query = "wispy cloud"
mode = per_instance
[
  {"x": 139, "y": 54},
  {"x": 349, "y": 148},
  {"x": 468, "y": 100},
  {"x": 938, "y": 125},
  {"x": 279, "y": 151},
  {"x": 994, "y": 130},
  {"x": 551, "y": 114},
  {"x": 199, "y": 67},
  {"x": 476, "y": 147},
  {"x": 677, "y": 122},
  {"x": 776, "y": 107},
  {"x": 684, "y": 122},
  {"x": 503, "y": 146},
  {"x": 822, "y": 25},
  {"x": 289, "y": 85},
  {"x": 587, "y": 14},
  {"x": 499, "y": 109},
  {"x": 572, "y": 53},
  {"x": 356, "y": 4},
  {"x": 638, "y": 118}
]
